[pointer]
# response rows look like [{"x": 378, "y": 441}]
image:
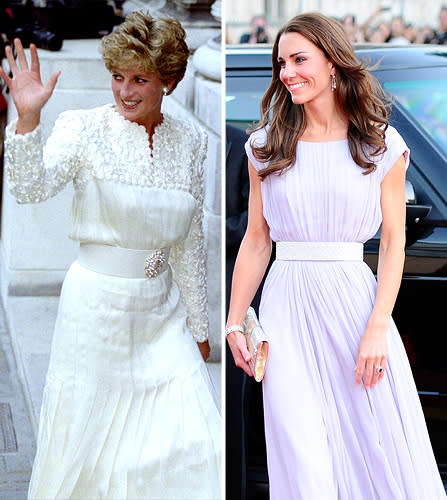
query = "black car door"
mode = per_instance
[{"x": 420, "y": 310}]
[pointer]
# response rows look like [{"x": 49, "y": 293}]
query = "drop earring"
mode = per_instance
[
  {"x": 165, "y": 90},
  {"x": 333, "y": 83}
]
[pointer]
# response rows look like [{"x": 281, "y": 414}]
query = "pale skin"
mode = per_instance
[
  {"x": 30, "y": 96},
  {"x": 306, "y": 72}
]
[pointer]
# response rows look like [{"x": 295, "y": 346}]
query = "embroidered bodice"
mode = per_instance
[{"x": 127, "y": 194}]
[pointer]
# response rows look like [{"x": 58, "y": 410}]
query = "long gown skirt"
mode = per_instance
[
  {"x": 328, "y": 438},
  {"x": 128, "y": 409}
]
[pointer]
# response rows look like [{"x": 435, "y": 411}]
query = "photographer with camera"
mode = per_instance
[{"x": 259, "y": 31}]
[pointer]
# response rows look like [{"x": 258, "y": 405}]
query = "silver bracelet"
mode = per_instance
[{"x": 234, "y": 328}]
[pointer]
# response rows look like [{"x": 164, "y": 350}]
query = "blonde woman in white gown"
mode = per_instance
[{"x": 128, "y": 409}]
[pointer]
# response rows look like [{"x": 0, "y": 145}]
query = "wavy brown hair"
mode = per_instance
[
  {"x": 156, "y": 45},
  {"x": 358, "y": 95}
]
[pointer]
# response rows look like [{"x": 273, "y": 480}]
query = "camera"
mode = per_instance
[{"x": 261, "y": 35}]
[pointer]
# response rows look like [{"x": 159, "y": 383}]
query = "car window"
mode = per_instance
[
  {"x": 426, "y": 101},
  {"x": 243, "y": 99}
]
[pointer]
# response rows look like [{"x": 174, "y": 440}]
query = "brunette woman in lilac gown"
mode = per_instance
[{"x": 342, "y": 415}]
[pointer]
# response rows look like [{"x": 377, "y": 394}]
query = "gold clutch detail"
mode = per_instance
[{"x": 257, "y": 344}]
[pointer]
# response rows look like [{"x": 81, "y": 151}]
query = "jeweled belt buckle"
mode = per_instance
[{"x": 154, "y": 263}]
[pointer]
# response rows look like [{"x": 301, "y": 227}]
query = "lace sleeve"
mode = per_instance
[
  {"x": 188, "y": 258},
  {"x": 36, "y": 173}
]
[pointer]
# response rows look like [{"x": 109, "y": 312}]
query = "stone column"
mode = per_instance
[
  {"x": 207, "y": 106},
  {"x": 198, "y": 98},
  {"x": 195, "y": 16}
]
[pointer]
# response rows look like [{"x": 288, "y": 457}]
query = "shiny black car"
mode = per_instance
[{"x": 416, "y": 76}]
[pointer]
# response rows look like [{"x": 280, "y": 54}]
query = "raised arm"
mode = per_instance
[
  {"x": 251, "y": 263},
  {"x": 365, "y": 26},
  {"x": 35, "y": 173},
  {"x": 26, "y": 87}
]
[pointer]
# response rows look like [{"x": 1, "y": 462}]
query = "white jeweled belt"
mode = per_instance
[
  {"x": 123, "y": 262},
  {"x": 319, "y": 250}
]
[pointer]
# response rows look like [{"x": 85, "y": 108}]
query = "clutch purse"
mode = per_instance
[{"x": 257, "y": 344}]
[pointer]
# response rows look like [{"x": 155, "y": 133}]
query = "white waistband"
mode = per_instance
[
  {"x": 316, "y": 250},
  {"x": 123, "y": 262}
]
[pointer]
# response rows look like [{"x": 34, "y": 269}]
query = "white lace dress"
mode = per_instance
[{"x": 128, "y": 409}]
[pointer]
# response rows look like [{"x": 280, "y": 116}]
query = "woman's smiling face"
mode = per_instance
[
  {"x": 304, "y": 68},
  {"x": 138, "y": 95}
]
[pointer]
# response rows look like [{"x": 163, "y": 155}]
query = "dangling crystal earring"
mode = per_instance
[
  {"x": 165, "y": 90},
  {"x": 333, "y": 83}
]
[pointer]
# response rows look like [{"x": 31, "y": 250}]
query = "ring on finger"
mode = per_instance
[{"x": 379, "y": 369}]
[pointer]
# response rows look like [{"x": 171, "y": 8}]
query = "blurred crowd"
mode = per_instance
[
  {"x": 398, "y": 31},
  {"x": 46, "y": 23}
]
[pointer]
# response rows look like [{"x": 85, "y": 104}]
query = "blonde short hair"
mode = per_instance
[{"x": 156, "y": 45}]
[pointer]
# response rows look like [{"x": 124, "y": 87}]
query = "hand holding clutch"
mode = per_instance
[{"x": 257, "y": 344}]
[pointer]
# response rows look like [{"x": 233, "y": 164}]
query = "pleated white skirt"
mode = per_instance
[{"x": 128, "y": 409}]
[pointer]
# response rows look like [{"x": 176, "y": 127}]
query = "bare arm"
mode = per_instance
[
  {"x": 251, "y": 263},
  {"x": 373, "y": 345}
]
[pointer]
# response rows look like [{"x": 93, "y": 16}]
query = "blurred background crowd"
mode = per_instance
[
  {"x": 403, "y": 22},
  {"x": 47, "y": 22}
]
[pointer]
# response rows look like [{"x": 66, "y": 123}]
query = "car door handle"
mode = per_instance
[{"x": 416, "y": 213}]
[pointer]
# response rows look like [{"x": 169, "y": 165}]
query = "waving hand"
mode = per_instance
[{"x": 26, "y": 87}]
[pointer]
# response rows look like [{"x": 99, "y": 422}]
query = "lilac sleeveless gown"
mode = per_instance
[{"x": 327, "y": 438}]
